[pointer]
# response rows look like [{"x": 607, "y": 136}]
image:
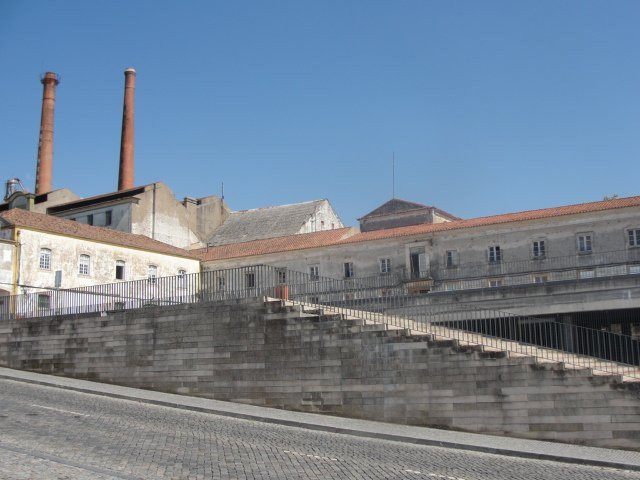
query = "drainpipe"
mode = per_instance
[{"x": 15, "y": 268}]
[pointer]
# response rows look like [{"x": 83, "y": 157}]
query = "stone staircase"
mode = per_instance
[{"x": 485, "y": 343}]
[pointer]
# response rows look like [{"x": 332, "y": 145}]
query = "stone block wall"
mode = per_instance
[{"x": 272, "y": 355}]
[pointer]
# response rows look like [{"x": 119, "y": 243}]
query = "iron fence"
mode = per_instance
[
  {"x": 379, "y": 299},
  {"x": 578, "y": 265}
]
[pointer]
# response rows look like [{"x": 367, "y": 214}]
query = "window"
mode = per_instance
[
  {"x": 44, "y": 301},
  {"x": 182, "y": 276},
  {"x": 282, "y": 275},
  {"x": 221, "y": 283},
  {"x": 83, "y": 264},
  {"x": 584, "y": 242},
  {"x": 539, "y": 279},
  {"x": 321, "y": 224},
  {"x": 250, "y": 280},
  {"x": 538, "y": 249},
  {"x": 495, "y": 282},
  {"x": 107, "y": 217},
  {"x": 634, "y": 237},
  {"x": 582, "y": 274},
  {"x": 452, "y": 258},
  {"x": 385, "y": 265},
  {"x": 348, "y": 270},
  {"x": 90, "y": 219},
  {"x": 314, "y": 275},
  {"x": 119, "y": 270},
  {"x": 45, "y": 258},
  {"x": 152, "y": 273},
  {"x": 495, "y": 255}
]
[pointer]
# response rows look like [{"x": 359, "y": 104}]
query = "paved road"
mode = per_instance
[{"x": 58, "y": 434}]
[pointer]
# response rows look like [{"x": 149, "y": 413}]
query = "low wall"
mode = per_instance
[{"x": 267, "y": 354}]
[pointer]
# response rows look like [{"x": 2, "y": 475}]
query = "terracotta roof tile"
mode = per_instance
[
  {"x": 50, "y": 224},
  {"x": 272, "y": 245},
  {"x": 347, "y": 235}
]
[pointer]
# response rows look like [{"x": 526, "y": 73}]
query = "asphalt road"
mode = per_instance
[{"x": 52, "y": 433}]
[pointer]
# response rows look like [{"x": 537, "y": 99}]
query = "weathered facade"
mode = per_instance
[
  {"x": 42, "y": 252},
  {"x": 150, "y": 210},
  {"x": 277, "y": 221},
  {"x": 583, "y": 257}
]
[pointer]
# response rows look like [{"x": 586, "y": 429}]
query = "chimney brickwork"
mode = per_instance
[
  {"x": 126, "y": 171},
  {"x": 45, "y": 143}
]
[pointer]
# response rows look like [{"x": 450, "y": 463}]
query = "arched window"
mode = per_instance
[
  {"x": 84, "y": 264},
  {"x": 45, "y": 258}
]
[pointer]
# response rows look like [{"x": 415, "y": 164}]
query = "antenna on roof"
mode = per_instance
[
  {"x": 222, "y": 190},
  {"x": 393, "y": 175}
]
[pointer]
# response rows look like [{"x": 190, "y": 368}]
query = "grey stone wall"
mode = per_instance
[{"x": 269, "y": 354}]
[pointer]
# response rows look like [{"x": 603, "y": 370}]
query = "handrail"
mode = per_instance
[{"x": 378, "y": 299}]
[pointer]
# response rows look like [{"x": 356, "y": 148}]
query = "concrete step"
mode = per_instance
[{"x": 544, "y": 356}]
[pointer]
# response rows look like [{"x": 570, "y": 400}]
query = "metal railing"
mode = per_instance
[
  {"x": 568, "y": 267},
  {"x": 379, "y": 299}
]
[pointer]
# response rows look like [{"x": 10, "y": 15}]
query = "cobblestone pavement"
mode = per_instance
[{"x": 58, "y": 434}]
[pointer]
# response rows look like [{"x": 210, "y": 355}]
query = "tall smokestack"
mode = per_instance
[
  {"x": 45, "y": 143},
  {"x": 125, "y": 176}
]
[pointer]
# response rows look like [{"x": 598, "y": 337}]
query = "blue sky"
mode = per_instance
[{"x": 489, "y": 106}]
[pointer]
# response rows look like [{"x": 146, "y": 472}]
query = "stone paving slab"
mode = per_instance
[{"x": 535, "y": 449}]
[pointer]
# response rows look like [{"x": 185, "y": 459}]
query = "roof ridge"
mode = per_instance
[{"x": 279, "y": 206}]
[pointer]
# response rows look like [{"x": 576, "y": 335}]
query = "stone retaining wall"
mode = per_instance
[{"x": 268, "y": 354}]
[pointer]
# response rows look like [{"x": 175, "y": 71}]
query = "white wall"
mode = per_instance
[
  {"x": 324, "y": 218},
  {"x": 609, "y": 230},
  {"x": 65, "y": 253}
]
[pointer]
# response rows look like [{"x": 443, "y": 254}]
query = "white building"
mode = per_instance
[
  {"x": 42, "y": 253},
  {"x": 566, "y": 262}
]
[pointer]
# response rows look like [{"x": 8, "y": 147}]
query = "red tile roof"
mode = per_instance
[
  {"x": 50, "y": 224},
  {"x": 299, "y": 241},
  {"x": 347, "y": 235}
]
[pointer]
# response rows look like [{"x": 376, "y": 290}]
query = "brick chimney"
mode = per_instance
[
  {"x": 45, "y": 142},
  {"x": 125, "y": 176}
]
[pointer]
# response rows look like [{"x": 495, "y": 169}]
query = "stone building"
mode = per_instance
[
  {"x": 151, "y": 210},
  {"x": 561, "y": 263},
  {"x": 401, "y": 213},
  {"x": 41, "y": 252},
  {"x": 277, "y": 221}
]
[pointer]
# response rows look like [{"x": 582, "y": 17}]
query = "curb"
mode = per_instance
[{"x": 344, "y": 431}]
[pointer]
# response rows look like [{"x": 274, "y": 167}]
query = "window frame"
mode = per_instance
[
  {"x": 152, "y": 273},
  {"x": 494, "y": 254},
  {"x": 385, "y": 265},
  {"x": 122, "y": 264},
  {"x": 44, "y": 258},
  {"x": 349, "y": 270},
  {"x": 539, "y": 248},
  {"x": 588, "y": 236},
  {"x": 84, "y": 265},
  {"x": 451, "y": 258},
  {"x": 41, "y": 303},
  {"x": 282, "y": 276},
  {"x": 314, "y": 273},
  {"x": 250, "y": 279},
  {"x": 633, "y": 233}
]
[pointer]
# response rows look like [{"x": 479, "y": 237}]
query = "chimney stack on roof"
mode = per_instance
[
  {"x": 45, "y": 144},
  {"x": 125, "y": 176}
]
